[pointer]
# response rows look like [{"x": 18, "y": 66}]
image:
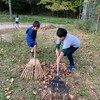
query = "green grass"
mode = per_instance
[
  {"x": 84, "y": 93},
  {"x": 42, "y": 19},
  {"x": 15, "y": 53}
]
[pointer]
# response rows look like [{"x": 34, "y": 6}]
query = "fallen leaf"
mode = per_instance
[
  {"x": 7, "y": 80},
  {"x": 7, "y": 89},
  {"x": 11, "y": 80},
  {"x": 9, "y": 92},
  {"x": 71, "y": 96},
  {"x": 43, "y": 82},
  {"x": 8, "y": 97},
  {"x": 45, "y": 86},
  {"x": 20, "y": 98},
  {"x": 18, "y": 66},
  {"x": 34, "y": 92}
]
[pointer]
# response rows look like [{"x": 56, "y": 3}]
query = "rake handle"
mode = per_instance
[
  {"x": 35, "y": 54},
  {"x": 57, "y": 68}
]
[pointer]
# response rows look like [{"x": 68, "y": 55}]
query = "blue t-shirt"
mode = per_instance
[{"x": 31, "y": 37}]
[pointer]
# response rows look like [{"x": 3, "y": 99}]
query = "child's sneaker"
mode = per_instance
[{"x": 71, "y": 68}]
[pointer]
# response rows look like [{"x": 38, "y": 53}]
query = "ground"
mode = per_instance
[{"x": 83, "y": 83}]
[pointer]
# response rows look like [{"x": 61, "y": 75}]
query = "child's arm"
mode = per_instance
[
  {"x": 57, "y": 52},
  {"x": 58, "y": 42},
  {"x": 57, "y": 49},
  {"x": 60, "y": 57}
]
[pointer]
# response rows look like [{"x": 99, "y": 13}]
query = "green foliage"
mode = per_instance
[
  {"x": 86, "y": 24},
  {"x": 82, "y": 24},
  {"x": 6, "y": 1},
  {"x": 84, "y": 93},
  {"x": 41, "y": 6},
  {"x": 2, "y": 97},
  {"x": 57, "y": 5},
  {"x": 89, "y": 15},
  {"x": 98, "y": 6},
  {"x": 18, "y": 6}
]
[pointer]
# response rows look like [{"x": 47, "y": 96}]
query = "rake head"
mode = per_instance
[{"x": 57, "y": 85}]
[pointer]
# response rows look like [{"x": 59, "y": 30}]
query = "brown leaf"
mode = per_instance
[
  {"x": 8, "y": 97},
  {"x": 34, "y": 92},
  {"x": 20, "y": 98},
  {"x": 71, "y": 96},
  {"x": 9, "y": 92},
  {"x": 7, "y": 89},
  {"x": 12, "y": 80}
]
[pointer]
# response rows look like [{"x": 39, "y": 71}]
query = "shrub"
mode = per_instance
[{"x": 87, "y": 25}]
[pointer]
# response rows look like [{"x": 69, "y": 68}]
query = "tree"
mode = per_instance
[
  {"x": 84, "y": 12},
  {"x": 90, "y": 14},
  {"x": 10, "y": 10},
  {"x": 33, "y": 4},
  {"x": 65, "y": 6},
  {"x": 98, "y": 18},
  {"x": 59, "y": 5}
]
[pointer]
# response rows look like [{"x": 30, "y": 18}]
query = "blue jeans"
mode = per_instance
[{"x": 69, "y": 55}]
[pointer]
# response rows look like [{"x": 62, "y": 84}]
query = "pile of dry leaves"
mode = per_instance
[{"x": 50, "y": 72}]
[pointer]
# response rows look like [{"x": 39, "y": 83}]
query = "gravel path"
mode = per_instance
[{"x": 10, "y": 26}]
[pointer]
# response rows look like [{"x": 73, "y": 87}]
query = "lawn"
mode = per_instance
[
  {"x": 30, "y": 18},
  {"x": 84, "y": 83}
]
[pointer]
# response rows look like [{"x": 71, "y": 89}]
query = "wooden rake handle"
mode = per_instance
[
  {"x": 35, "y": 54},
  {"x": 57, "y": 68},
  {"x": 34, "y": 51}
]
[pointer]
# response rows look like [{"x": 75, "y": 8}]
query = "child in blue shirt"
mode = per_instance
[
  {"x": 70, "y": 44},
  {"x": 31, "y": 34}
]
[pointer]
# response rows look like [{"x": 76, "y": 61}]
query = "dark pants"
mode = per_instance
[{"x": 69, "y": 55}]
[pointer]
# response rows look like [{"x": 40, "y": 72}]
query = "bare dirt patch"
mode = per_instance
[{"x": 6, "y": 37}]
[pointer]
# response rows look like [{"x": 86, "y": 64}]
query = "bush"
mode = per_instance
[{"x": 87, "y": 25}]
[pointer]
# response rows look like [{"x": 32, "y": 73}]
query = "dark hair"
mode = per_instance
[
  {"x": 36, "y": 24},
  {"x": 61, "y": 32}
]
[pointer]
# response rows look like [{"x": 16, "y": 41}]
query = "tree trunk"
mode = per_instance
[
  {"x": 80, "y": 11},
  {"x": 10, "y": 10},
  {"x": 98, "y": 21},
  {"x": 84, "y": 12}
]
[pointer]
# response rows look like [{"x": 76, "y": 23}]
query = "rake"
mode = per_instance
[
  {"x": 57, "y": 85},
  {"x": 33, "y": 69}
]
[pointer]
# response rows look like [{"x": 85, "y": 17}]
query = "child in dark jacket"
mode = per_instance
[
  {"x": 70, "y": 44},
  {"x": 31, "y": 34}
]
